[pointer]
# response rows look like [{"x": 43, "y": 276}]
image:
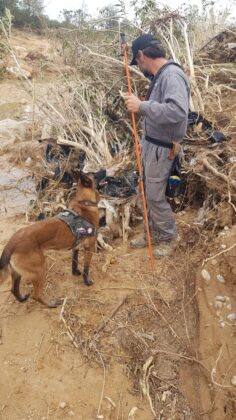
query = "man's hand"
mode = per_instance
[{"x": 132, "y": 103}]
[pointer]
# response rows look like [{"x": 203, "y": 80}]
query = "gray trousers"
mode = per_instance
[{"x": 156, "y": 170}]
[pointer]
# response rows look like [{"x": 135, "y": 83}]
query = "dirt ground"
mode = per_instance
[{"x": 163, "y": 333}]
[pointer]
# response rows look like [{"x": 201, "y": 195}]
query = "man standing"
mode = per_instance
[{"x": 164, "y": 122}]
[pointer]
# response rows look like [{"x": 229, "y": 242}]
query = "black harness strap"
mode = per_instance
[{"x": 79, "y": 226}]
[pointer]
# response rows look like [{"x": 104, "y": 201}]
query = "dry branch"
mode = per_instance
[
  {"x": 115, "y": 310},
  {"x": 217, "y": 173}
]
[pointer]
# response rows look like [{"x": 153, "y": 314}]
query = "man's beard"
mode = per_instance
[{"x": 145, "y": 72}]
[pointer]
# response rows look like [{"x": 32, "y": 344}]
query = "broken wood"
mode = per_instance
[
  {"x": 115, "y": 310},
  {"x": 217, "y": 173}
]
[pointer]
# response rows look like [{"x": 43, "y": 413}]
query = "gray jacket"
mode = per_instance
[{"x": 165, "y": 114}]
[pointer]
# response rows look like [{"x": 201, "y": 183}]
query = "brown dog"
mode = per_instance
[{"x": 24, "y": 252}]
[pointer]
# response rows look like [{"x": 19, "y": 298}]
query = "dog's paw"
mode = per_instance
[
  {"x": 23, "y": 298},
  {"x": 88, "y": 282},
  {"x": 76, "y": 272},
  {"x": 20, "y": 298}
]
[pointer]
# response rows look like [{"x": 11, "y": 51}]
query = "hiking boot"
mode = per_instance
[
  {"x": 165, "y": 248},
  {"x": 141, "y": 242}
]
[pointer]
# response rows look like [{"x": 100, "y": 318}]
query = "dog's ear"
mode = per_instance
[
  {"x": 76, "y": 173},
  {"x": 86, "y": 180}
]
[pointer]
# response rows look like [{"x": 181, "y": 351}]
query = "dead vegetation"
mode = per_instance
[{"x": 85, "y": 124}]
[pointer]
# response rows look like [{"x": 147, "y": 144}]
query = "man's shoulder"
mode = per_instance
[{"x": 174, "y": 69}]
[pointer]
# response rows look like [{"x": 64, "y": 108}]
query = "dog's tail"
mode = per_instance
[{"x": 4, "y": 262}]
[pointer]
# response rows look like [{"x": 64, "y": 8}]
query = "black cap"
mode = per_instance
[{"x": 143, "y": 41}]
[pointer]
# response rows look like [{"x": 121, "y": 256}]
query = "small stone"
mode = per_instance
[
  {"x": 62, "y": 405},
  {"x": 218, "y": 314},
  {"x": 222, "y": 324},
  {"x": 233, "y": 380},
  {"x": 193, "y": 162},
  {"x": 221, "y": 298},
  {"x": 232, "y": 317},
  {"x": 220, "y": 278},
  {"x": 205, "y": 275},
  {"x": 218, "y": 305},
  {"x": 227, "y": 298},
  {"x": 28, "y": 161},
  {"x": 226, "y": 228},
  {"x": 229, "y": 307},
  {"x": 71, "y": 413},
  {"x": 214, "y": 262},
  {"x": 223, "y": 246}
]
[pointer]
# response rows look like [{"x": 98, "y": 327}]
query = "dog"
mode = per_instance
[{"x": 23, "y": 255}]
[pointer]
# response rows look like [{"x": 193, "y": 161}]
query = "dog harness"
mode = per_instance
[{"x": 80, "y": 227}]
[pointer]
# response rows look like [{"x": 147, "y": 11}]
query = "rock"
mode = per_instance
[
  {"x": 200, "y": 216},
  {"x": 229, "y": 307},
  {"x": 226, "y": 228},
  {"x": 220, "y": 278},
  {"x": 232, "y": 317},
  {"x": 221, "y": 298},
  {"x": 71, "y": 413},
  {"x": 28, "y": 161},
  {"x": 218, "y": 305},
  {"x": 11, "y": 130},
  {"x": 62, "y": 405},
  {"x": 223, "y": 246},
  {"x": 193, "y": 162},
  {"x": 222, "y": 324},
  {"x": 165, "y": 395},
  {"x": 233, "y": 381},
  {"x": 214, "y": 262},
  {"x": 206, "y": 275}
]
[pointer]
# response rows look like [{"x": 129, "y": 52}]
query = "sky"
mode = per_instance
[{"x": 53, "y": 7}]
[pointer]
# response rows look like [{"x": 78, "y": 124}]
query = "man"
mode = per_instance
[{"x": 164, "y": 120}]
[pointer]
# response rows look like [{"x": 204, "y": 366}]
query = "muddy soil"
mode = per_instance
[{"x": 55, "y": 367}]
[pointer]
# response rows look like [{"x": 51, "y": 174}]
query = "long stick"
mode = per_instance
[
  {"x": 138, "y": 158},
  {"x": 115, "y": 310}
]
